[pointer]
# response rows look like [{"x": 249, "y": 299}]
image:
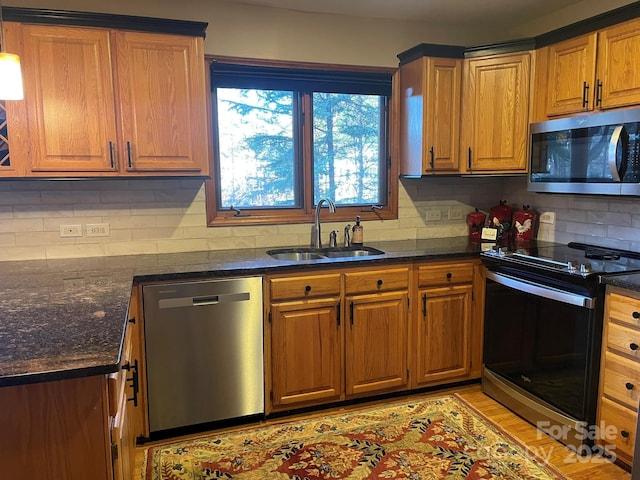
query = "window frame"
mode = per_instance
[{"x": 304, "y": 214}]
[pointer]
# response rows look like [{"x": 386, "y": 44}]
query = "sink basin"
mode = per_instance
[
  {"x": 295, "y": 254},
  {"x": 352, "y": 252},
  {"x": 301, "y": 254}
]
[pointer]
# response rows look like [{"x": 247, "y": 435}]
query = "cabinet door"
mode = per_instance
[
  {"x": 618, "y": 69},
  {"x": 163, "y": 106},
  {"x": 443, "y": 118},
  {"x": 430, "y": 117},
  {"x": 376, "y": 342},
  {"x": 137, "y": 384},
  {"x": 443, "y": 334},
  {"x": 495, "y": 114},
  {"x": 306, "y": 346},
  {"x": 69, "y": 95},
  {"x": 123, "y": 441},
  {"x": 571, "y": 75}
]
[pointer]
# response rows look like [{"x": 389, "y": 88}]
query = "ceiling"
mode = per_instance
[{"x": 503, "y": 12}]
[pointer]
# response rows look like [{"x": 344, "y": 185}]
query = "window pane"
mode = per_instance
[
  {"x": 256, "y": 148},
  {"x": 347, "y": 141}
]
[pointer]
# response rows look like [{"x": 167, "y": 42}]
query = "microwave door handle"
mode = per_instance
[{"x": 613, "y": 150}]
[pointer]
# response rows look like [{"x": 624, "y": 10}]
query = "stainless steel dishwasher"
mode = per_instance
[{"x": 204, "y": 351}]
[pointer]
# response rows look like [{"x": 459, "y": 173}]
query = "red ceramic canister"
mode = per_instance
[
  {"x": 475, "y": 221},
  {"x": 500, "y": 218},
  {"x": 524, "y": 224}
]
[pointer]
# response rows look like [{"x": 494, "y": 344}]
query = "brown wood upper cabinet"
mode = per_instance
[
  {"x": 495, "y": 114},
  {"x": 102, "y": 102},
  {"x": 593, "y": 71},
  {"x": 430, "y": 115}
]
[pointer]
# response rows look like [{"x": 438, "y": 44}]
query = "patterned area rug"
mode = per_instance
[{"x": 433, "y": 438}]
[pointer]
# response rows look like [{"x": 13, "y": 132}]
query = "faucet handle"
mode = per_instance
[
  {"x": 347, "y": 235},
  {"x": 333, "y": 239}
]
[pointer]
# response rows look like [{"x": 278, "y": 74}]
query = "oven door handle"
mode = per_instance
[{"x": 542, "y": 290}]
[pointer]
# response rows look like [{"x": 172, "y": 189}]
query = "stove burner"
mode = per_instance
[{"x": 601, "y": 254}]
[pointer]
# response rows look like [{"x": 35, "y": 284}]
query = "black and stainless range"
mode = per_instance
[{"x": 543, "y": 330}]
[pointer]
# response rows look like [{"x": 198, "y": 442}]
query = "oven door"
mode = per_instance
[{"x": 545, "y": 341}]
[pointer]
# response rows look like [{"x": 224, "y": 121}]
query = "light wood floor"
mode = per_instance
[{"x": 516, "y": 426}]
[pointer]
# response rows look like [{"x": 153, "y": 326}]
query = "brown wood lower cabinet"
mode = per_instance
[
  {"x": 309, "y": 370},
  {"x": 376, "y": 343},
  {"x": 445, "y": 334},
  {"x": 73, "y": 429},
  {"x": 620, "y": 373},
  {"x": 335, "y": 335}
]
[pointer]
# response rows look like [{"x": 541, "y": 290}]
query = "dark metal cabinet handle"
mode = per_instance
[
  {"x": 449, "y": 275},
  {"x": 135, "y": 382},
  {"x": 624, "y": 434},
  {"x": 351, "y": 312},
  {"x": 629, "y": 386},
  {"x": 636, "y": 315},
  {"x": 432, "y": 161},
  {"x": 469, "y": 159},
  {"x": 633, "y": 346},
  {"x": 379, "y": 283},
  {"x": 307, "y": 288},
  {"x": 129, "y": 161},
  {"x": 598, "y": 93},
  {"x": 112, "y": 161},
  {"x": 424, "y": 305},
  {"x": 132, "y": 320},
  {"x": 338, "y": 312},
  {"x": 585, "y": 94}
]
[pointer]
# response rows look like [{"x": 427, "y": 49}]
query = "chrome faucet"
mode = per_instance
[
  {"x": 317, "y": 239},
  {"x": 347, "y": 235}
]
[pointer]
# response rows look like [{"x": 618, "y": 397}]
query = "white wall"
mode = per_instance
[{"x": 602, "y": 220}]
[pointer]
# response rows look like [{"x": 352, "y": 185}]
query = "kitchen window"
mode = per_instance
[{"x": 287, "y": 135}]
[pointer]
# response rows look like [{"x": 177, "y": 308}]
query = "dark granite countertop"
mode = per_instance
[
  {"x": 66, "y": 318},
  {"x": 629, "y": 281}
]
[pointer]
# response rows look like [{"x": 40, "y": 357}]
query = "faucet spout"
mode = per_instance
[{"x": 317, "y": 239}]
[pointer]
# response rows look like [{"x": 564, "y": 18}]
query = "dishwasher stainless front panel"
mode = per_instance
[{"x": 204, "y": 351}]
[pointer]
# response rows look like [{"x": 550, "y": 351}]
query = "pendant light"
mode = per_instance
[{"x": 10, "y": 73}]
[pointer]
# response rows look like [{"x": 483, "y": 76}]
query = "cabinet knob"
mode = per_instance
[
  {"x": 307, "y": 288},
  {"x": 628, "y": 386},
  {"x": 379, "y": 282},
  {"x": 624, "y": 433},
  {"x": 633, "y": 346},
  {"x": 636, "y": 315},
  {"x": 449, "y": 275}
]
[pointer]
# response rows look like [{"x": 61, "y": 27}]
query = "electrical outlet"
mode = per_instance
[
  {"x": 434, "y": 215},
  {"x": 98, "y": 230},
  {"x": 70, "y": 230},
  {"x": 548, "y": 217},
  {"x": 455, "y": 213}
]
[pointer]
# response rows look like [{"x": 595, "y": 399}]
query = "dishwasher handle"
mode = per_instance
[{"x": 204, "y": 300}]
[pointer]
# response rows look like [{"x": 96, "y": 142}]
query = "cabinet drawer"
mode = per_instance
[
  {"x": 621, "y": 379},
  {"x": 305, "y": 287},
  {"x": 622, "y": 439},
  {"x": 377, "y": 280},
  {"x": 624, "y": 309},
  {"x": 453, "y": 273},
  {"x": 624, "y": 340}
]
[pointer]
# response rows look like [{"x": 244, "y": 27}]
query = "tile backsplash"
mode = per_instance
[{"x": 168, "y": 215}]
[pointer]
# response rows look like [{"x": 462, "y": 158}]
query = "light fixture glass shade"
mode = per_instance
[{"x": 10, "y": 77}]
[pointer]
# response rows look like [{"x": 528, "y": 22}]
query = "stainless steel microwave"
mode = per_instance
[{"x": 593, "y": 154}]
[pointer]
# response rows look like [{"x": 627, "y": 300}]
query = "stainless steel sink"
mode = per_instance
[
  {"x": 296, "y": 256},
  {"x": 352, "y": 252},
  {"x": 301, "y": 254}
]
